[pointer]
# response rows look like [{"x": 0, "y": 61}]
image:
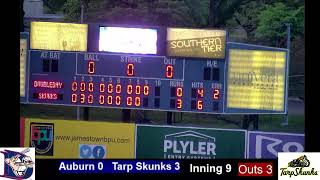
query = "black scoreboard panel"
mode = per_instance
[{"x": 127, "y": 81}]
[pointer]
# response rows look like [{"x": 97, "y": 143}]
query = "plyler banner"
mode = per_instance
[
  {"x": 79, "y": 139},
  {"x": 172, "y": 142}
]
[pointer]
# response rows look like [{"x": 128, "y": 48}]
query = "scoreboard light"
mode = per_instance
[
  {"x": 102, "y": 87},
  {"x": 128, "y": 40},
  {"x": 101, "y": 99},
  {"x": 23, "y": 60},
  {"x": 118, "y": 100},
  {"x": 58, "y": 36},
  {"x": 91, "y": 67},
  {"x": 256, "y": 79},
  {"x": 196, "y": 43}
]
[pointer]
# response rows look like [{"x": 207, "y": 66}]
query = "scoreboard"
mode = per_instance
[
  {"x": 201, "y": 72},
  {"x": 127, "y": 81}
]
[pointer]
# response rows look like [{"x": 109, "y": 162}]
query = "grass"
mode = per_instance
[{"x": 266, "y": 122}]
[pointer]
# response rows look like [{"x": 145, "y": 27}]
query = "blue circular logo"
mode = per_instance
[
  {"x": 85, "y": 151},
  {"x": 98, "y": 152}
]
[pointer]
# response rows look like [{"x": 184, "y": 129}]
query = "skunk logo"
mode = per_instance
[{"x": 302, "y": 161}]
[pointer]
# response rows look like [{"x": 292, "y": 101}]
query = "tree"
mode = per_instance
[
  {"x": 199, "y": 11},
  {"x": 72, "y": 10},
  {"x": 220, "y": 11},
  {"x": 247, "y": 16},
  {"x": 187, "y": 13},
  {"x": 145, "y": 12},
  {"x": 53, "y": 6},
  {"x": 272, "y": 22},
  {"x": 21, "y": 16}
]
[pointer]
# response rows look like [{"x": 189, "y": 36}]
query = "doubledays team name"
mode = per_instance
[{"x": 47, "y": 84}]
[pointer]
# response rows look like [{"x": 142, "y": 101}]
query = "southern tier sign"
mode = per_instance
[
  {"x": 199, "y": 73},
  {"x": 196, "y": 43}
]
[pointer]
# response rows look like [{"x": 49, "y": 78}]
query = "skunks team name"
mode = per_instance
[{"x": 143, "y": 166}]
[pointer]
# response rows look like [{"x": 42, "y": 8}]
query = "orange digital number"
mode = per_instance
[
  {"x": 129, "y": 101},
  {"x": 74, "y": 98},
  {"x": 199, "y": 104},
  {"x": 179, "y": 103},
  {"x": 216, "y": 94},
  {"x": 169, "y": 71},
  {"x": 137, "y": 101},
  {"x": 101, "y": 99}
]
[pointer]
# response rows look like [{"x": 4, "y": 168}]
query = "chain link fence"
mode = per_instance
[{"x": 296, "y": 86}]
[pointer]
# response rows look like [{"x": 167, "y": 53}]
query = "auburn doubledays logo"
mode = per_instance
[{"x": 17, "y": 165}]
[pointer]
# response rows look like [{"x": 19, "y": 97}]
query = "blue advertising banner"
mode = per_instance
[{"x": 266, "y": 145}]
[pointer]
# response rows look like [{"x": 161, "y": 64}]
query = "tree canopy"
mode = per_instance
[
  {"x": 273, "y": 20},
  {"x": 262, "y": 20}
]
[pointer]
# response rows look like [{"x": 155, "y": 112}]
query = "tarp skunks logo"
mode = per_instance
[{"x": 299, "y": 166}]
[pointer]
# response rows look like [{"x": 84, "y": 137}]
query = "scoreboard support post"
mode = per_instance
[
  {"x": 82, "y": 113},
  {"x": 86, "y": 113},
  {"x": 169, "y": 118},
  {"x": 126, "y": 115},
  {"x": 78, "y": 113},
  {"x": 254, "y": 119}
]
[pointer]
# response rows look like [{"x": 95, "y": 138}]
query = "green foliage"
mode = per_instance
[
  {"x": 224, "y": 10},
  {"x": 190, "y": 13},
  {"x": 272, "y": 21},
  {"x": 247, "y": 16},
  {"x": 53, "y": 6},
  {"x": 72, "y": 10},
  {"x": 21, "y": 16},
  {"x": 262, "y": 20},
  {"x": 199, "y": 11},
  {"x": 146, "y": 12}
]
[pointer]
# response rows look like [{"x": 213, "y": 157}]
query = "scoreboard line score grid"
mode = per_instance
[{"x": 93, "y": 87}]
